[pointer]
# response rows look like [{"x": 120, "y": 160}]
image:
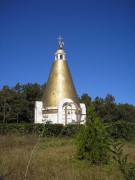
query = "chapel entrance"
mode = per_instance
[{"x": 70, "y": 113}]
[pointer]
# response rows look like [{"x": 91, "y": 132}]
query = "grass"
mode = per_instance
[{"x": 54, "y": 158}]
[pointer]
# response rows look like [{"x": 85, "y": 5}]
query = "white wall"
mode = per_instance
[{"x": 59, "y": 117}]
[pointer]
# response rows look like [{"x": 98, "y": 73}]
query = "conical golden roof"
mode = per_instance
[{"x": 60, "y": 84}]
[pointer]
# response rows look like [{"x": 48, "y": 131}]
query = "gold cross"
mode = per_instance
[
  {"x": 61, "y": 44},
  {"x": 59, "y": 38}
]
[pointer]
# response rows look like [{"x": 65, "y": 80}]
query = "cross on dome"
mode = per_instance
[
  {"x": 61, "y": 44},
  {"x": 59, "y": 38}
]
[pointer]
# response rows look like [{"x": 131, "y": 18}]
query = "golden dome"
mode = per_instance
[
  {"x": 60, "y": 51},
  {"x": 59, "y": 85}
]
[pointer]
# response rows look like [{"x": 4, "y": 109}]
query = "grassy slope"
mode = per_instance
[{"x": 52, "y": 159}]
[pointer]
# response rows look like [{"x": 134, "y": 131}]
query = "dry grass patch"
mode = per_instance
[
  {"x": 130, "y": 150},
  {"x": 52, "y": 159}
]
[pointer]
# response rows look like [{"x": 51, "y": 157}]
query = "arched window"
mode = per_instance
[
  {"x": 56, "y": 57},
  {"x": 61, "y": 57}
]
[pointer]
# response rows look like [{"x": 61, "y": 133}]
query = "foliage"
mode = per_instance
[
  {"x": 44, "y": 129},
  {"x": 70, "y": 130},
  {"x": 106, "y": 108},
  {"x": 24, "y": 128},
  {"x": 117, "y": 130},
  {"x": 127, "y": 169},
  {"x": 126, "y": 112},
  {"x": 6, "y": 99},
  {"x": 52, "y": 130},
  {"x": 86, "y": 99},
  {"x": 121, "y": 130},
  {"x": 92, "y": 141},
  {"x": 17, "y": 105},
  {"x": 109, "y": 111}
]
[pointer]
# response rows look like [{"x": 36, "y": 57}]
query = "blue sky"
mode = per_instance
[{"x": 99, "y": 39}]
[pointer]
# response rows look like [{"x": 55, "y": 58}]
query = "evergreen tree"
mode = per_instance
[
  {"x": 6, "y": 101},
  {"x": 86, "y": 99},
  {"x": 92, "y": 140}
]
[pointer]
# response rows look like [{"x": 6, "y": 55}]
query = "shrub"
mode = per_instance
[
  {"x": 38, "y": 128},
  {"x": 116, "y": 130},
  {"x": 92, "y": 141},
  {"x": 44, "y": 129},
  {"x": 52, "y": 130},
  {"x": 70, "y": 130},
  {"x": 15, "y": 128}
]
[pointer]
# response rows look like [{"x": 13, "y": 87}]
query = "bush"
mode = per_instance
[
  {"x": 38, "y": 128},
  {"x": 70, "y": 130},
  {"x": 116, "y": 130},
  {"x": 92, "y": 141},
  {"x": 16, "y": 128},
  {"x": 44, "y": 129},
  {"x": 52, "y": 130}
]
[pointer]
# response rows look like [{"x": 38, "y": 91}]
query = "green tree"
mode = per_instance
[
  {"x": 92, "y": 140},
  {"x": 99, "y": 107},
  {"x": 106, "y": 109},
  {"x": 6, "y": 102},
  {"x": 86, "y": 99},
  {"x": 33, "y": 92},
  {"x": 126, "y": 112},
  {"x": 19, "y": 102},
  {"x": 111, "y": 111}
]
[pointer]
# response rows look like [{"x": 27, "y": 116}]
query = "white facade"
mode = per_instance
[{"x": 66, "y": 112}]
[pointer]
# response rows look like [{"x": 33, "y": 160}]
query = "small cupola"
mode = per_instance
[{"x": 60, "y": 53}]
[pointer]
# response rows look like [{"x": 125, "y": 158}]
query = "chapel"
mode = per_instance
[{"x": 60, "y": 103}]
